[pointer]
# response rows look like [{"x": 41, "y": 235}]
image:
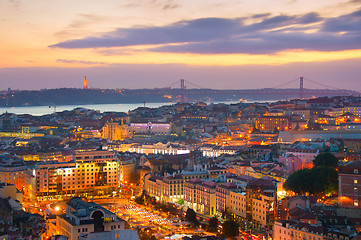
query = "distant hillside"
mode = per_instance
[{"x": 67, "y": 96}]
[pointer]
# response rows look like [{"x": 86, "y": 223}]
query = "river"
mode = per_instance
[{"x": 124, "y": 107}]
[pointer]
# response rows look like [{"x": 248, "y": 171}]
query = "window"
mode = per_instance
[
  {"x": 355, "y": 181},
  {"x": 355, "y": 203},
  {"x": 355, "y": 171}
]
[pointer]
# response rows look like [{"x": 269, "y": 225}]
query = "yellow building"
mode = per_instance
[
  {"x": 9, "y": 190},
  {"x": 126, "y": 169},
  {"x": 237, "y": 204},
  {"x": 90, "y": 170},
  {"x": 153, "y": 185},
  {"x": 263, "y": 210},
  {"x": 12, "y": 171},
  {"x": 200, "y": 196}
]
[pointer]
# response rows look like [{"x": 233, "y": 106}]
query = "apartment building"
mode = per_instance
[
  {"x": 263, "y": 209},
  {"x": 201, "y": 196},
  {"x": 153, "y": 185},
  {"x": 223, "y": 191},
  {"x": 349, "y": 193},
  {"x": 173, "y": 188},
  {"x": 287, "y": 230},
  {"x": 190, "y": 200},
  {"x": 12, "y": 171},
  {"x": 237, "y": 204},
  {"x": 306, "y": 155}
]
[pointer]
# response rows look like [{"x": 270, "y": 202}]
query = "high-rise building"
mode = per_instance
[{"x": 85, "y": 83}]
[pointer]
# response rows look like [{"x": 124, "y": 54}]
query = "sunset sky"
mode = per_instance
[{"x": 152, "y": 43}]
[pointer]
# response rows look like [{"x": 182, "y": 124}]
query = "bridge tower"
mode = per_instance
[
  {"x": 183, "y": 88},
  {"x": 301, "y": 87}
]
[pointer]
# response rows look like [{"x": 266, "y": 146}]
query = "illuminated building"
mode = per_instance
[
  {"x": 308, "y": 135},
  {"x": 204, "y": 198},
  {"x": 291, "y": 163},
  {"x": 173, "y": 188},
  {"x": 352, "y": 145},
  {"x": 325, "y": 119},
  {"x": 348, "y": 118},
  {"x": 350, "y": 185},
  {"x": 270, "y": 123},
  {"x": 159, "y": 148},
  {"x": 289, "y": 230},
  {"x": 165, "y": 189},
  {"x": 9, "y": 190},
  {"x": 150, "y": 128},
  {"x": 153, "y": 185},
  {"x": 45, "y": 179},
  {"x": 20, "y": 135},
  {"x": 261, "y": 201},
  {"x": 263, "y": 209},
  {"x": 86, "y": 217},
  {"x": 94, "y": 169},
  {"x": 304, "y": 113},
  {"x": 305, "y": 155},
  {"x": 126, "y": 168},
  {"x": 88, "y": 172},
  {"x": 115, "y": 131},
  {"x": 216, "y": 151},
  {"x": 12, "y": 171},
  {"x": 190, "y": 200},
  {"x": 125, "y": 234},
  {"x": 356, "y": 110},
  {"x": 237, "y": 203},
  {"x": 223, "y": 191},
  {"x": 194, "y": 118}
]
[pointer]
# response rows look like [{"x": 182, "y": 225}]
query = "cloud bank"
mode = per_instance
[{"x": 265, "y": 34}]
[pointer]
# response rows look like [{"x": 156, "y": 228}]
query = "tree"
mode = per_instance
[
  {"x": 326, "y": 159},
  {"x": 226, "y": 214},
  {"x": 325, "y": 180},
  {"x": 230, "y": 228},
  {"x": 317, "y": 180},
  {"x": 191, "y": 216},
  {"x": 213, "y": 224},
  {"x": 139, "y": 200}
]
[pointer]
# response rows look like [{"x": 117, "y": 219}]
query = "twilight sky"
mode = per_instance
[{"x": 224, "y": 44}]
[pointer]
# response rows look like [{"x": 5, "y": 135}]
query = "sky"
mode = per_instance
[{"x": 221, "y": 44}]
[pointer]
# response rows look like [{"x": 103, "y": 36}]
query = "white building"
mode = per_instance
[
  {"x": 86, "y": 217},
  {"x": 126, "y": 234}
]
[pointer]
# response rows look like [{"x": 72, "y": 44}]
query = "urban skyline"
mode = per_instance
[{"x": 218, "y": 44}]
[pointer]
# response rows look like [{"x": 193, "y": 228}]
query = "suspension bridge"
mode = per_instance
[{"x": 277, "y": 90}]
